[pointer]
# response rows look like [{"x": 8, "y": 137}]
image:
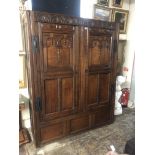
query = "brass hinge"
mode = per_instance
[{"x": 35, "y": 44}]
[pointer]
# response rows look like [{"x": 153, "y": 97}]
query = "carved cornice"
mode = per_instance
[{"x": 68, "y": 20}]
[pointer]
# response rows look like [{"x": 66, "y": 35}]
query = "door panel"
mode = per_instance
[
  {"x": 98, "y": 68},
  {"x": 51, "y": 96},
  {"x": 58, "y": 50},
  {"x": 98, "y": 89},
  {"x": 79, "y": 124},
  {"x": 59, "y": 97},
  {"x": 67, "y": 93},
  {"x": 93, "y": 89},
  {"x": 59, "y": 70},
  {"x": 104, "y": 81},
  {"x": 102, "y": 116},
  {"x": 52, "y": 131},
  {"x": 99, "y": 51}
]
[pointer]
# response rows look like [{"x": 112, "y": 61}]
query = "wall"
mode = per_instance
[
  {"x": 129, "y": 50},
  {"x": 86, "y": 7},
  {"x": 132, "y": 87}
]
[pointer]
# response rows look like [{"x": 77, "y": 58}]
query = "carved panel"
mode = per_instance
[
  {"x": 99, "y": 50},
  {"x": 58, "y": 49}
]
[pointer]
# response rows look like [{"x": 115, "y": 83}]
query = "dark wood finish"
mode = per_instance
[
  {"x": 71, "y": 73},
  {"x": 101, "y": 116},
  {"x": 79, "y": 124},
  {"x": 51, "y": 132}
]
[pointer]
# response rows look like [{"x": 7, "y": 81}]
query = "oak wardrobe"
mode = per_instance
[{"x": 71, "y": 68}]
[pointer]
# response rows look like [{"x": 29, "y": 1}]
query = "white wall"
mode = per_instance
[
  {"x": 86, "y": 8},
  {"x": 130, "y": 48}
]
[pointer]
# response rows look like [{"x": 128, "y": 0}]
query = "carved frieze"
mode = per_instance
[{"x": 68, "y": 20}]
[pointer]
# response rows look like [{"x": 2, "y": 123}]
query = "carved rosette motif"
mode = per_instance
[
  {"x": 60, "y": 46},
  {"x": 62, "y": 19},
  {"x": 59, "y": 41},
  {"x": 99, "y": 50},
  {"x": 99, "y": 42}
]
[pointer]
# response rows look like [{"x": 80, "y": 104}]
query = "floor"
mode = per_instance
[{"x": 92, "y": 142}]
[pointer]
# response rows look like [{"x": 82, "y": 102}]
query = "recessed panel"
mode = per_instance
[
  {"x": 53, "y": 131},
  {"x": 102, "y": 116},
  {"x": 92, "y": 89},
  {"x": 98, "y": 89},
  {"x": 67, "y": 93},
  {"x": 104, "y": 82},
  {"x": 80, "y": 123},
  {"x": 51, "y": 96}
]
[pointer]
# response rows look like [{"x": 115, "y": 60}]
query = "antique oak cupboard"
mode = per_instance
[{"x": 71, "y": 64}]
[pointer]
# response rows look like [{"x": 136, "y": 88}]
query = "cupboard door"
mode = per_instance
[
  {"x": 59, "y": 70},
  {"x": 98, "y": 68}
]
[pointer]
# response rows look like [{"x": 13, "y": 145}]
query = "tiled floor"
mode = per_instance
[{"x": 92, "y": 142}]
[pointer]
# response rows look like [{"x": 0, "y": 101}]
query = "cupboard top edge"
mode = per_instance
[{"x": 45, "y": 17}]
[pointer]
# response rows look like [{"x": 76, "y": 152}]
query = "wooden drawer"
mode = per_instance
[
  {"x": 79, "y": 124},
  {"x": 51, "y": 132}
]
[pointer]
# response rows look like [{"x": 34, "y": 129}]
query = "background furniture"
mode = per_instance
[
  {"x": 71, "y": 65},
  {"x": 23, "y": 133}
]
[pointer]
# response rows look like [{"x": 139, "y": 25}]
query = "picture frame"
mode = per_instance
[
  {"x": 102, "y": 13},
  {"x": 121, "y": 16},
  {"x": 103, "y": 2},
  {"x": 117, "y": 3}
]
